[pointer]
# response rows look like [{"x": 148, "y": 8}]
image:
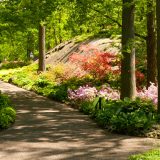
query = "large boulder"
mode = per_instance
[{"x": 63, "y": 51}]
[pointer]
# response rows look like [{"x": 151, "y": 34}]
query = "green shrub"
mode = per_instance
[
  {"x": 7, "y": 113},
  {"x": 7, "y": 117},
  {"x": 150, "y": 155},
  {"x": 4, "y": 101},
  {"x": 19, "y": 76},
  {"x": 131, "y": 117},
  {"x": 59, "y": 92},
  {"x": 42, "y": 82},
  {"x": 6, "y": 77},
  {"x": 104, "y": 115},
  {"x": 127, "y": 117},
  {"x": 13, "y": 64},
  {"x": 87, "y": 108}
]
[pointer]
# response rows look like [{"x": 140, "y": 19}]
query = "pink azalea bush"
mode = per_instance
[
  {"x": 109, "y": 94},
  {"x": 86, "y": 93},
  {"x": 82, "y": 93},
  {"x": 151, "y": 93}
]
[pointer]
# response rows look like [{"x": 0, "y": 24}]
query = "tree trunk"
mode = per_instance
[
  {"x": 55, "y": 37},
  {"x": 30, "y": 45},
  {"x": 158, "y": 49},
  {"x": 151, "y": 44},
  {"x": 128, "y": 79},
  {"x": 42, "y": 48},
  {"x": 60, "y": 36}
]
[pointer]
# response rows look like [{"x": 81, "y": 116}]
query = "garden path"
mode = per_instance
[{"x": 48, "y": 130}]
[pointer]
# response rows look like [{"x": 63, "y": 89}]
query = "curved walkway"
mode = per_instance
[{"x": 47, "y": 130}]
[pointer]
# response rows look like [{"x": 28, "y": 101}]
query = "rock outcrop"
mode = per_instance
[{"x": 63, "y": 51}]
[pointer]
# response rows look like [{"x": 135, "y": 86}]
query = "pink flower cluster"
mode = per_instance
[
  {"x": 82, "y": 93},
  {"x": 109, "y": 94},
  {"x": 87, "y": 93},
  {"x": 150, "y": 93}
]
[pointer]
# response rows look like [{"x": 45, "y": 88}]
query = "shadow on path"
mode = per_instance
[{"x": 48, "y": 130}]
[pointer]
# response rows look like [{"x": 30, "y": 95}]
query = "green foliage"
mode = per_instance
[
  {"x": 59, "y": 92},
  {"x": 4, "y": 101},
  {"x": 6, "y": 76},
  {"x": 7, "y": 113},
  {"x": 9, "y": 65},
  {"x": 21, "y": 79},
  {"x": 150, "y": 155},
  {"x": 83, "y": 37},
  {"x": 87, "y": 108},
  {"x": 41, "y": 82},
  {"x": 104, "y": 115},
  {"x": 64, "y": 19},
  {"x": 132, "y": 117},
  {"x": 7, "y": 117},
  {"x": 127, "y": 117}
]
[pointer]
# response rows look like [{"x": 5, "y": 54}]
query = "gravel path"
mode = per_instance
[{"x": 47, "y": 130}]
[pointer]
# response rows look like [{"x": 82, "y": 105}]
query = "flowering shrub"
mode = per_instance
[
  {"x": 150, "y": 93},
  {"x": 66, "y": 71},
  {"x": 100, "y": 64},
  {"x": 83, "y": 93},
  {"x": 109, "y": 94},
  {"x": 95, "y": 62},
  {"x": 139, "y": 79},
  {"x": 87, "y": 93}
]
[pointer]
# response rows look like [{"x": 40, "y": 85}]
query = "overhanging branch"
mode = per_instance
[{"x": 116, "y": 22}]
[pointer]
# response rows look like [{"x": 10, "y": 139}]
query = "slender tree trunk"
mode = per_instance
[
  {"x": 60, "y": 37},
  {"x": 30, "y": 45},
  {"x": 158, "y": 49},
  {"x": 41, "y": 48},
  {"x": 55, "y": 37},
  {"x": 128, "y": 79},
  {"x": 151, "y": 44}
]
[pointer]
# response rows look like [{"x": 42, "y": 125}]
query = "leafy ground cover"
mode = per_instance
[
  {"x": 7, "y": 112},
  {"x": 13, "y": 64},
  {"x": 150, "y": 155},
  {"x": 125, "y": 117}
]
